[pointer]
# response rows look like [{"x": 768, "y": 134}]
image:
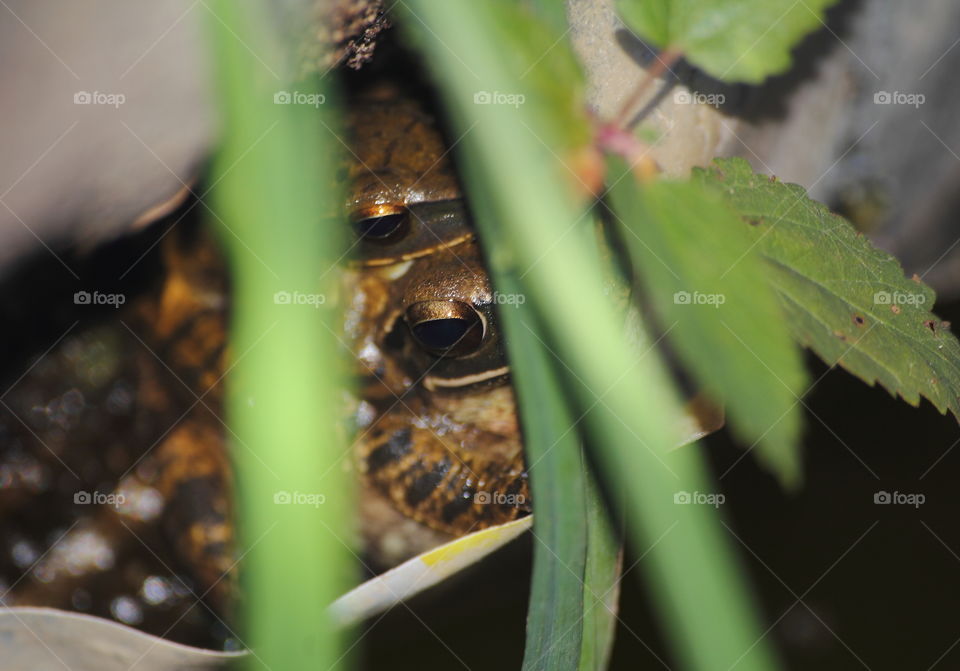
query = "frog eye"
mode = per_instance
[
  {"x": 446, "y": 328},
  {"x": 383, "y": 225}
]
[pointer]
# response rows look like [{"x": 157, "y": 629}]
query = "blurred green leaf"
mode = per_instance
[
  {"x": 711, "y": 295},
  {"x": 845, "y": 299},
  {"x": 273, "y": 175},
  {"x": 555, "y": 619},
  {"x": 552, "y": 13},
  {"x": 545, "y": 73},
  {"x": 732, "y": 40},
  {"x": 601, "y": 583},
  {"x": 573, "y": 595},
  {"x": 537, "y": 232}
]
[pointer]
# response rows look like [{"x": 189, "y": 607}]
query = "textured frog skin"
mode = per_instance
[{"x": 443, "y": 442}]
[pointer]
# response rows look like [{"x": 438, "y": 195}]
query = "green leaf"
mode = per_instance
[
  {"x": 275, "y": 170},
  {"x": 564, "y": 518},
  {"x": 536, "y": 232},
  {"x": 552, "y": 13},
  {"x": 601, "y": 581},
  {"x": 711, "y": 295},
  {"x": 733, "y": 40},
  {"x": 845, "y": 299},
  {"x": 555, "y": 620},
  {"x": 550, "y": 80}
]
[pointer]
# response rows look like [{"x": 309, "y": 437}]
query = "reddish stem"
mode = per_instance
[{"x": 667, "y": 59}]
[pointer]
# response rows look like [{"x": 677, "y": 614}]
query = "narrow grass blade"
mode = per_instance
[
  {"x": 555, "y": 619},
  {"x": 272, "y": 179},
  {"x": 539, "y": 235},
  {"x": 601, "y": 582}
]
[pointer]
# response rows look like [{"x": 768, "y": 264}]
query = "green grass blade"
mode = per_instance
[
  {"x": 273, "y": 176},
  {"x": 555, "y": 619},
  {"x": 601, "y": 583},
  {"x": 536, "y": 233}
]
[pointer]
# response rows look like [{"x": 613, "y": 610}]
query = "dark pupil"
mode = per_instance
[
  {"x": 379, "y": 228},
  {"x": 442, "y": 334}
]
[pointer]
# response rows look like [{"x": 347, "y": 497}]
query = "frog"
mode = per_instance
[
  {"x": 439, "y": 435},
  {"x": 438, "y": 446}
]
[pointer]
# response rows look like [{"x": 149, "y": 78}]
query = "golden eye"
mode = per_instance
[
  {"x": 446, "y": 328},
  {"x": 384, "y": 225}
]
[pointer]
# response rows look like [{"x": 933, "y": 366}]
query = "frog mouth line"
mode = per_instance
[{"x": 432, "y": 382}]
